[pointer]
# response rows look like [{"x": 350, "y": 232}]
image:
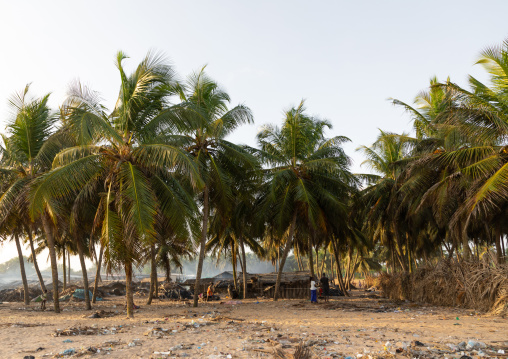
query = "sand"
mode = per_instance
[{"x": 363, "y": 324}]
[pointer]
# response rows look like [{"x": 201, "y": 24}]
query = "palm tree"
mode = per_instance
[
  {"x": 381, "y": 199},
  {"x": 28, "y": 151},
  {"x": 482, "y": 114},
  {"x": 10, "y": 228},
  {"x": 230, "y": 236},
  {"x": 308, "y": 174},
  {"x": 232, "y": 226},
  {"x": 203, "y": 120},
  {"x": 436, "y": 179},
  {"x": 172, "y": 243},
  {"x": 120, "y": 154},
  {"x": 172, "y": 249},
  {"x": 428, "y": 106}
]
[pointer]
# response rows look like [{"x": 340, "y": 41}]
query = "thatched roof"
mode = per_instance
[
  {"x": 287, "y": 277},
  {"x": 264, "y": 278}
]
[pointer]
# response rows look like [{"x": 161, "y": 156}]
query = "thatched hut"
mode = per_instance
[{"x": 293, "y": 284}]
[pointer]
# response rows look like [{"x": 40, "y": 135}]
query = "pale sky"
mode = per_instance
[{"x": 344, "y": 57}]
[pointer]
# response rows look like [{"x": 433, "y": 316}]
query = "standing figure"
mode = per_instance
[
  {"x": 209, "y": 293},
  {"x": 44, "y": 297},
  {"x": 325, "y": 285},
  {"x": 313, "y": 291}
]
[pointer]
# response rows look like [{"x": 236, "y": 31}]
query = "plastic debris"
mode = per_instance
[
  {"x": 70, "y": 351},
  {"x": 80, "y": 294},
  {"x": 473, "y": 344}
]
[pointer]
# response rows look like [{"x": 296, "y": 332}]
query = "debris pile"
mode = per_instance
[
  {"x": 17, "y": 294},
  {"x": 93, "y": 330},
  {"x": 475, "y": 284}
]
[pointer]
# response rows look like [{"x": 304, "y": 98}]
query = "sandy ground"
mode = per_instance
[{"x": 363, "y": 324}]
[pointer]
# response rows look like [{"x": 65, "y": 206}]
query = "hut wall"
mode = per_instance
[{"x": 299, "y": 290}]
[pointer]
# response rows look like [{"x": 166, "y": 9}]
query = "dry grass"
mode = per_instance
[
  {"x": 369, "y": 281},
  {"x": 301, "y": 352},
  {"x": 480, "y": 285}
]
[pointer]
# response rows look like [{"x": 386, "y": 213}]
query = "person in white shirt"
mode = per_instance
[{"x": 313, "y": 291}]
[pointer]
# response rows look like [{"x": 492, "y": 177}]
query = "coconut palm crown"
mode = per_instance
[
  {"x": 119, "y": 155},
  {"x": 307, "y": 174}
]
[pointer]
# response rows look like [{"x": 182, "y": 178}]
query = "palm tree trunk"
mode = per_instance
[
  {"x": 341, "y": 281},
  {"x": 331, "y": 267},
  {"x": 311, "y": 260},
  {"x": 317, "y": 261},
  {"x": 398, "y": 248},
  {"x": 168, "y": 269},
  {"x": 68, "y": 268},
  {"x": 504, "y": 249},
  {"x": 352, "y": 271},
  {"x": 342, "y": 287},
  {"x": 298, "y": 259},
  {"x": 156, "y": 280},
  {"x": 97, "y": 275},
  {"x": 81, "y": 255},
  {"x": 322, "y": 264},
  {"x": 392, "y": 252},
  {"x": 128, "y": 290},
  {"x": 289, "y": 244},
  {"x": 244, "y": 267},
  {"x": 26, "y": 297},
  {"x": 34, "y": 259},
  {"x": 204, "y": 231},
  {"x": 278, "y": 259},
  {"x": 239, "y": 256},
  {"x": 450, "y": 255},
  {"x": 233, "y": 262},
  {"x": 153, "y": 274},
  {"x": 465, "y": 246},
  {"x": 499, "y": 251},
  {"x": 332, "y": 270},
  {"x": 408, "y": 250},
  {"x": 64, "y": 269},
  {"x": 348, "y": 268},
  {"x": 52, "y": 256}
]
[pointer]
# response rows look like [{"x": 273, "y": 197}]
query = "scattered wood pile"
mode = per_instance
[
  {"x": 107, "y": 288},
  {"x": 480, "y": 285}
]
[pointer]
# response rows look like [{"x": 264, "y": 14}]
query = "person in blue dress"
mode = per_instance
[{"x": 313, "y": 291}]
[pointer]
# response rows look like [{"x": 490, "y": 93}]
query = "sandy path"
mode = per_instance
[{"x": 342, "y": 327}]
